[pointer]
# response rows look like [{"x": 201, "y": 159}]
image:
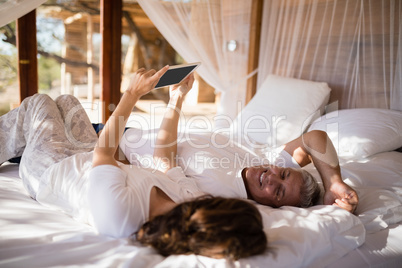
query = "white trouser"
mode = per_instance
[{"x": 44, "y": 132}]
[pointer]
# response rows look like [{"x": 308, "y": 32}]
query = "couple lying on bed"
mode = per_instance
[{"x": 66, "y": 166}]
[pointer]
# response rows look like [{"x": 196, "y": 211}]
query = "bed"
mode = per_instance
[{"x": 367, "y": 141}]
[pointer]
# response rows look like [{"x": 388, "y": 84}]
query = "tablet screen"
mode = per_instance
[{"x": 176, "y": 74}]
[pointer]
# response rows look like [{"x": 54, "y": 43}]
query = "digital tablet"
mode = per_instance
[{"x": 177, "y": 73}]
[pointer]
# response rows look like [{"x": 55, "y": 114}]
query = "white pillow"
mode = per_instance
[
  {"x": 360, "y": 133},
  {"x": 378, "y": 208},
  {"x": 308, "y": 237},
  {"x": 281, "y": 110},
  {"x": 378, "y": 183}
]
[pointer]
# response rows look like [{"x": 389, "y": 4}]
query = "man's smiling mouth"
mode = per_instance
[{"x": 262, "y": 176}]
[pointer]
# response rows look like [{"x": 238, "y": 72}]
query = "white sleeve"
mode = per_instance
[
  {"x": 111, "y": 201},
  {"x": 284, "y": 159},
  {"x": 187, "y": 184}
]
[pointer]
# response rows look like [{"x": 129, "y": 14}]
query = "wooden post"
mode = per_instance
[
  {"x": 63, "y": 74},
  {"x": 110, "y": 68},
  {"x": 90, "y": 70},
  {"x": 27, "y": 55},
  {"x": 254, "y": 46}
]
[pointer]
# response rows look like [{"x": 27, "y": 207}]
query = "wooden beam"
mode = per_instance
[
  {"x": 90, "y": 70},
  {"x": 27, "y": 55},
  {"x": 110, "y": 68},
  {"x": 254, "y": 46}
]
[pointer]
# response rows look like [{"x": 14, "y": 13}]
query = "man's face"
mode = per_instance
[{"x": 272, "y": 185}]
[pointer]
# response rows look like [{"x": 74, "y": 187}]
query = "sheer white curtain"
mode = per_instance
[
  {"x": 354, "y": 45},
  {"x": 202, "y": 31},
  {"x": 11, "y": 10}
]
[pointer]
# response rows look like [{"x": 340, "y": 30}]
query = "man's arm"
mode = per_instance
[
  {"x": 141, "y": 83},
  {"x": 316, "y": 147},
  {"x": 166, "y": 141}
]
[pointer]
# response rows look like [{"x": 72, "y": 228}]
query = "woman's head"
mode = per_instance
[{"x": 210, "y": 226}]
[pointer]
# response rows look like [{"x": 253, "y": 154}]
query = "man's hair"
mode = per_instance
[
  {"x": 310, "y": 190},
  {"x": 210, "y": 226}
]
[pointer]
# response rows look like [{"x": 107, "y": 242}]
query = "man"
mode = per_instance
[{"x": 225, "y": 168}]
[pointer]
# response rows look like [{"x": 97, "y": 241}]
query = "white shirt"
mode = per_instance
[
  {"x": 119, "y": 197},
  {"x": 113, "y": 199},
  {"x": 64, "y": 186}
]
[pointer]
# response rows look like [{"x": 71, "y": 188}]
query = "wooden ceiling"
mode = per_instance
[{"x": 78, "y": 10}]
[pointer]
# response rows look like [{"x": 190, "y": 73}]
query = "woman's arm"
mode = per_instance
[
  {"x": 141, "y": 83},
  {"x": 315, "y": 146},
  {"x": 166, "y": 141}
]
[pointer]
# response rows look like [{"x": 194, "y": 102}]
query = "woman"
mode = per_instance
[
  {"x": 213, "y": 227},
  {"x": 59, "y": 169}
]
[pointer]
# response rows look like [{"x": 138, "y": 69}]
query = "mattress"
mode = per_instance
[{"x": 37, "y": 236}]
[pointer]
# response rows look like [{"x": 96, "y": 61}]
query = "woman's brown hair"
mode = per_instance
[{"x": 210, "y": 226}]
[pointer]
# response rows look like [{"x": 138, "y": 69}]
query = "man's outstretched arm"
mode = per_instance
[{"x": 315, "y": 146}]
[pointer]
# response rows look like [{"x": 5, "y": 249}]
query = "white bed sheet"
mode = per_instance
[{"x": 35, "y": 236}]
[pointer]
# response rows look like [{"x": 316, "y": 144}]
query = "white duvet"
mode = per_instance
[{"x": 35, "y": 236}]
